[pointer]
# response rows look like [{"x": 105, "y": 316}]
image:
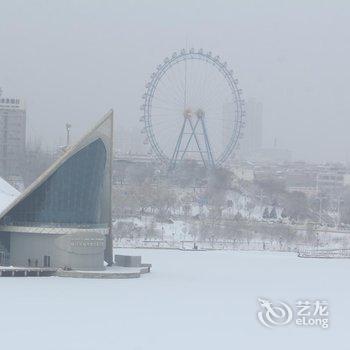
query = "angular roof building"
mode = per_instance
[{"x": 64, "y": 218}]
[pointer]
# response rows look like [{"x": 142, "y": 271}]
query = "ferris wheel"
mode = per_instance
[{"x": 193, "y": 109}]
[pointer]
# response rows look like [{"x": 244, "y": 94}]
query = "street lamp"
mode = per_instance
[{"x": 68, "y": 126}]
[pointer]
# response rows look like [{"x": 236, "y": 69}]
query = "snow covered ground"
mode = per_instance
[{"x": 191, "y": 300}]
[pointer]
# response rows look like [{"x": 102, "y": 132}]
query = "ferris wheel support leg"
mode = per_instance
[
  {"x": 177, "y": 147},
  {"x": 207, "y": 144},
  {"x": 193, "y": 129},
  {"x": 197, "y": 141}
]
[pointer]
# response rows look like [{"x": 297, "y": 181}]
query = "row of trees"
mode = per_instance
[
  {"x": 141, "y": 188},
  {"x": 295, "y": 204},
  {"x": 236, "y": 233},
  {"x": 148, "y": 187}
]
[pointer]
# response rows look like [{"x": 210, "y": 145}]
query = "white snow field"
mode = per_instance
[{"x": 190, "y": 300}]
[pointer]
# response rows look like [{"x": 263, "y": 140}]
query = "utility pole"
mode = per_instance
[
  {"x": 68, "y": 126},
  {"x": 320, "y": 211},
  {"x": 338, "y": 211}
]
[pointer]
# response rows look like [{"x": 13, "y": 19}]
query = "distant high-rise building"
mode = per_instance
[
  {"x": 251, "y": 141},
  {"x": 12, "y": 136},
  {"x": 252, "y": 133},
  {"x": 228, "y": 115}
]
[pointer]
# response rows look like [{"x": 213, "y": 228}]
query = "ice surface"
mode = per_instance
[{"x": 191, "y": 300}]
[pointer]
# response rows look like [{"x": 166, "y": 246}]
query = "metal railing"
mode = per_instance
[{"x": 325, "y": 253}]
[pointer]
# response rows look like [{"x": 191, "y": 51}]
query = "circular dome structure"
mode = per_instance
[{"x": 193, "y": 109}]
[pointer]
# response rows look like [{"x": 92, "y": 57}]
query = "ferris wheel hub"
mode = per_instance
[{"x": 188, "y": 112}]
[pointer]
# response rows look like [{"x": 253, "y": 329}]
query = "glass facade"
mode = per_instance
[{"x": 72, "y": 196}]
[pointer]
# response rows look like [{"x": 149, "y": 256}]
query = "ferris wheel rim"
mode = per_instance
[{"x": 227, "y": 74}]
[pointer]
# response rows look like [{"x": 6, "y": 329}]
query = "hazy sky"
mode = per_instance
[{"x": 73, "y": 60}]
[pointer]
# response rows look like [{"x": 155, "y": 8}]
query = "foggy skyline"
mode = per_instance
[{"x": 74, "y": 60}]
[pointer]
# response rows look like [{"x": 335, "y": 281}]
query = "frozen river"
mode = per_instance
[{"x": 191, "y": 300}]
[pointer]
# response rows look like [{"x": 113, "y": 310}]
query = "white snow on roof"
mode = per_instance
[{"x": 7, "y": 194}]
